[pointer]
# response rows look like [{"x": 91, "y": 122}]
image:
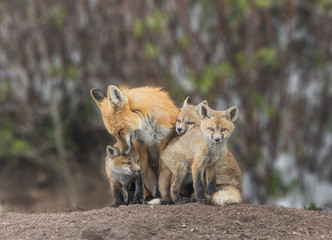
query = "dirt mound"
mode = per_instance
[{"x": 187, "y": 221}]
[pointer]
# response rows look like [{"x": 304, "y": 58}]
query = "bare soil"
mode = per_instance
[{"x": 187, "y": 221}]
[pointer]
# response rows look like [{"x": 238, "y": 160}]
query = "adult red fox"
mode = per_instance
[
  {"x": 196, "y": 154},
  {"x": 146, "y": 115}
]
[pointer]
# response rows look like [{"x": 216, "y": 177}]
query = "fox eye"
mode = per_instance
[
  {"x": 138, "y": 161},
  {"x": 128, "y": 163},
  {"x": 223, "y": 129},
  {"x": 211, "y": 129},
  {"x": 179, "y": 120},
  {"x": 190, "y": 123}
]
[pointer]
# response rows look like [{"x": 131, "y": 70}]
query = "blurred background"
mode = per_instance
[{"x": 271, "y": 58}]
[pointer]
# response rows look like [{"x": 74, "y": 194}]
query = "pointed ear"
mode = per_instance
[
  {"x": 97, "y": 95},
  {"x": 186, "y": 101},
  {"x": 116, "y": 97},
  {"x": 198, "y": 106},
  {"x": 204, "y": 111},
  {"x": 112, "y": 151},
  {"x": 231, "y": 113}
]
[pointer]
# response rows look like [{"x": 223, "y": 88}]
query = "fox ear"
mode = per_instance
[
  {"x": 231, "y": 113},
  {"x": 97, "y": 95},
  {"x": 204, "y": 111},
  {"x": 198, "y": 106},
  {"x": 186, "y": 101},
  {"x": 112, "y": 151},
  {"x": 116, "y": 97}
]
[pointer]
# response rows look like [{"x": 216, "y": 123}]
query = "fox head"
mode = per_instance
[
  {"x": 120, "y": 120},
  {"x": 126, "y": 165},
  {"x": 217, "y": 126},
  {"x": 188, "y": 117}
]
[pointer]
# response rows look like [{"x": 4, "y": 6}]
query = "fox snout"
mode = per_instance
[
  {"x": 125, "y": 145},
  {"x": 180, "y": 131}
]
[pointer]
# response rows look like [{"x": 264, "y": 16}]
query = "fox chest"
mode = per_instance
[
  {"x": 211, "y": 158},
  {"x": 122, "y": 179},
  {"x": 150, "y": 132}
]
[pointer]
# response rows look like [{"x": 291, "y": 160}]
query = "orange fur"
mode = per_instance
[{"x": 144, "y": 114}]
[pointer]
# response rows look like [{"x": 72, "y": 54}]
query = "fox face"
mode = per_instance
[
  {"x": 217, "y": 126},
  {"x": 124, "y": 165},
  {"x": 188, "y": 117},
  {"x": 120, "y": 120}
]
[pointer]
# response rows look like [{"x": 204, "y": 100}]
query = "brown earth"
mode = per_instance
[{"x": 187, "y": 221}]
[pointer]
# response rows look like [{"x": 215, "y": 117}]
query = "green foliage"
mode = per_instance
[
  {"x": 151, "y": 51},
  {"x": 183, "y": 41},
  {"x": 275, "y": 185},
  {"x": 262, "y": 3},
  {"x": 242, "y": 5},
  {"x": 312, "y": 206},
  {"x": 324, "y": 7},
  {"x": 138, "y": 27},
  {"x": 5, "y": 88},
  {"x": 255, "y": 153},
  {"x": 211, "y": 75},
  {"x": 273, "y": 182},
  {"x": 12, "y": 146},
  {"x": 71, "y": 71},
  {"x": 59, "y": 15},
  {"x": 260, "y": 101},
  {"x": 268, "y": 55},
  {"x": 319, "y": 60},
  {"x": 153, "y": 22}
]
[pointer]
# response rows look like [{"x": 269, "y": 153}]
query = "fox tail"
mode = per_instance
[{"x": 227, "y": 195}]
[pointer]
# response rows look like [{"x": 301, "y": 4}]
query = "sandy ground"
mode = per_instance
[{"x": 187, "y": 221}]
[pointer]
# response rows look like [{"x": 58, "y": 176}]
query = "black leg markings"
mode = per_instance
[{"x": 118, "y": 197}]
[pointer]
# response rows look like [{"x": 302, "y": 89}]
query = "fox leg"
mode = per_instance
[
  {"x": 211, "y": 181},
  {"x": 177, "y": 180},
  {"x": 117, "y": 194},
  {"x": 164, "y": 183},
  {"x": 138, "y": 195},
  {"x": 198, "y": 174},
  {"x": 125, "y": 190},
  {"x": 148, "y": 177}
]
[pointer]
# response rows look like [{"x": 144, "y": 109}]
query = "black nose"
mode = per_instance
[
  {"x": 217, "y": 140},
  {"x": 179, "y": 129},
  {"x": 139, "y": 171}
]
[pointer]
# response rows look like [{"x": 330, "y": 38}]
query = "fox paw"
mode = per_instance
[
  {"x": 182, "y": 200},
  {"x": 204, "y": 200}
]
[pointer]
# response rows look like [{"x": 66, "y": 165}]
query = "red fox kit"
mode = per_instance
[
  {"x": 124, "y": 175},
  {"x": 196, "y": 152},
  {"x": 144, "y": 114},
  {"x": 188, "y": 117},
  {"x": 228, "y": 181}
]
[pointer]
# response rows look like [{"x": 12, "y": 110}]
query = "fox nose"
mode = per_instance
[
  {"x": 139, "y": 171},
  {"x": 217, "y": 140},
  {"x": 179, "y": 129}
]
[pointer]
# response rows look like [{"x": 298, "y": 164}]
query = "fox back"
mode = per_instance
[{"x": 146, "y": 114}]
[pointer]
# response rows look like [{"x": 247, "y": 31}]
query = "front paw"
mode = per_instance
[
  {"x": 204, "y": 200},
  {"x": 182, "y": 200},
  {"x": 136, "y": 201}
]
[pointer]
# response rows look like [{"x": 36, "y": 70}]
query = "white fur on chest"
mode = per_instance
[{"x": 151, "y": 133}]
